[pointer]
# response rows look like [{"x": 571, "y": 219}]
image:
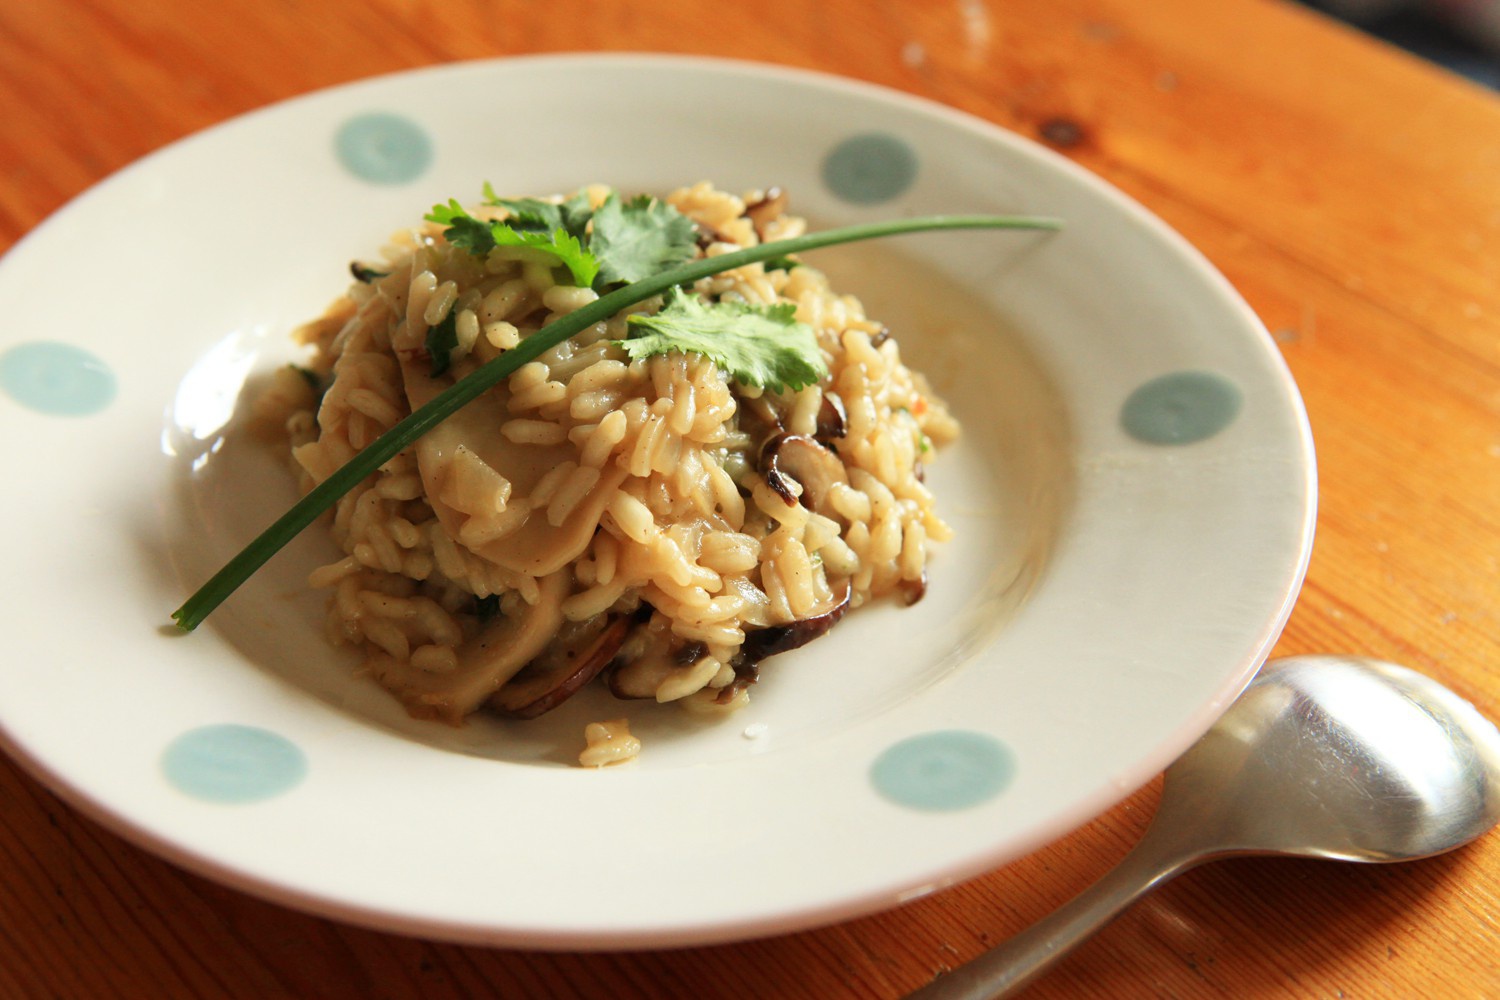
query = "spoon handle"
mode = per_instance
[{"x": 1015, "y": 962}]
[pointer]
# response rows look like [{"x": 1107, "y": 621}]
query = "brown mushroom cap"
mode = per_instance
[
  {"x": 561, "y": 672},
  {"x": 833, "y": 419},
  {"x": 801, "y": 459},
  {"x": 771, "y": 205},
  {"x": 763, "y": 642},
  {"x": 649, "y": 656}
]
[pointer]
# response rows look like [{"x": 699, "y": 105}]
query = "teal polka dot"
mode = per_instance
[
  {"x": 944, "y": 770},
  {"x": 383, "y": 148},
  {"x": 57, "y": 379},
  {"x": 1181, "y": 408},
  {"x": 870, "y": 168},
  {"x": 233, "y": 764}
]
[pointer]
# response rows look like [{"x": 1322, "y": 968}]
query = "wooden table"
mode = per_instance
[{"x": 1350, "y": 192}]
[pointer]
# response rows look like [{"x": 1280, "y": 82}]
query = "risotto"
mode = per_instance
[{"x": 654, "y": 522}]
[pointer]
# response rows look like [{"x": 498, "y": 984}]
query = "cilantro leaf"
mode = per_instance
[
  {"x": 628, "y": 241},
  {"x": 637, "y": 239},
  {"x": 479, "y": 238},
  {"x": 463, "y": 230},
  {"x": 563, "y": 245},
  {"x": 442, "y": 339},
  {"x": 533, "y": 214},
  {"x": 758, "y": 345}
]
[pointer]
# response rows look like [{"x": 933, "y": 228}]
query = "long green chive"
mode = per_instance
[{"x": 323, "y": 496}]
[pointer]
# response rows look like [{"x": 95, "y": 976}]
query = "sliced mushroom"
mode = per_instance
[
  {"x": 705, "y": 235},
  {"x": 913, "y": 591},
  {"x": 563, "y": 669},
  {"x": 541, "y": 548},
  {"x": 746, "y": 673},
  {"x": 759, "y": 419},
  {"x": 833, "y": 420},
  {"x": 686, "y": 656},
  {"x": 650, "y": 656},
  {"x": 763, "y": 642},
  {"x": 485, "y": 662},
  {"x": 801, "y": 459},
  {"x": 772, "y": 205}
]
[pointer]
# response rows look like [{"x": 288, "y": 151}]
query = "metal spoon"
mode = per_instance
[{"x": 1333, "y": 757}]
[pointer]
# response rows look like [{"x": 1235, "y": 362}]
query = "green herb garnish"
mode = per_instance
[
  {"x": 309, "y": 376},
  {"x": 365, "y": 274},
  {"x": 762, "y": 346},
  {"x": 323, "y": 496},
  {"x": 532, "y": 213},
  {"x": 463, "y": 230},
  {"x": 479, "y": 238},
  {"x": 631, "y": 239},
  {"x": 639, "y": 238},
  {"x": 442, "y": 340}
]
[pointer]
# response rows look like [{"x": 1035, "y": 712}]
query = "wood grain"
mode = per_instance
[{"x": 1350, "y": 192}]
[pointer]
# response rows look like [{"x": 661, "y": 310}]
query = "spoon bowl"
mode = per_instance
[
  {"x": 1337, "y": 757},
  {"x": 1344, "y": 758}
]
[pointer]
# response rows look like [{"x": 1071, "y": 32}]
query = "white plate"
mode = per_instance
[{"x": 1106, "y": 597}]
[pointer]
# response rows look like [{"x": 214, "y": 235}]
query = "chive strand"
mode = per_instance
[{"x": 323, "y": 496}]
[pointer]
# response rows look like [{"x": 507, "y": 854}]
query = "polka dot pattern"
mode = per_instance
[
  {"x": 233, "y": 764},
  {"x": 57, "y": 379},
  {"x": 383, "y": 148},
  {"x": 870, "y": 168},
  {"x": 1181, "y": 408},
  {"x": 944, "y": 770}
]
